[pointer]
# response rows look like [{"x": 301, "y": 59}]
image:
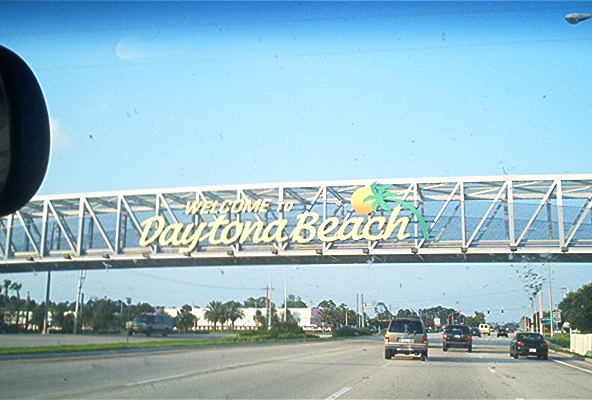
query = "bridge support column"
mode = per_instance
[{"x": 46, "y": 311}]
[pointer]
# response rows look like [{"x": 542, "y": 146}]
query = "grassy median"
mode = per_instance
[{"x": 265, "y": 336}]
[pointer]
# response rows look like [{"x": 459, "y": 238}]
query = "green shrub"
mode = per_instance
[
  {"x": 562, "y": 339},
  {"x": 348, "y": 331}
]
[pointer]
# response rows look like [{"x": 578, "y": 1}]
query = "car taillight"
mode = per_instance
[
  {"x": 387, "y": 336},
  {"x": 425, "y": 338},
  {"x": 544, "y": 344},
  {"x": 445, "y": 336},
  {"x": 470, "y": 338},
  {"x": 520, "y": 343}
]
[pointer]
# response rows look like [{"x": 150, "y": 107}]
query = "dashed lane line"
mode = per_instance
[
  {"x": 339, "y": 393},
  {"x": 166, "y": 378}
]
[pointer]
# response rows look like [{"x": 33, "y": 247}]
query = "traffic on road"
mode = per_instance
[{"x": 347, "y": 368}]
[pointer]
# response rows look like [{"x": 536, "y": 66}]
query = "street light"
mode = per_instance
[{"x": 574, "y": 18}]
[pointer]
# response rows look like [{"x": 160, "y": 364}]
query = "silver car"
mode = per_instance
[
  {"x": 406, "y": 336},
  {"x": 149, "y": 324}
]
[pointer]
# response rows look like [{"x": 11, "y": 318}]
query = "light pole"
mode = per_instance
[{"x": 575, "y": 18}]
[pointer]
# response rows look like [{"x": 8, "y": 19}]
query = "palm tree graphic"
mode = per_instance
[{"x": 381, "y": 196}]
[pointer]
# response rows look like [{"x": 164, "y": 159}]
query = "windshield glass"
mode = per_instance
[
  {"x": 535, "y": 337},
  {"x": 457, "y": 329},
  {"x": 298, "y": 171},
  {"x": 406, "y": 326}
]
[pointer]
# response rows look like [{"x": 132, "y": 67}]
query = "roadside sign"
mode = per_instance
[
  {"x": 546, "y": 320},
  {"x": 556, "y": 317}
]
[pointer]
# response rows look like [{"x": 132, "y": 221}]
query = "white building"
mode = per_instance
[{"x": 306, "y": 317}]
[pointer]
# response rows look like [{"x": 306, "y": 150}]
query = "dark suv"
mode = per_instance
[
  {"x": 406, "y": 336},
  {"x": 457, "y": 336},
  {"x": 149, "y": 324}
]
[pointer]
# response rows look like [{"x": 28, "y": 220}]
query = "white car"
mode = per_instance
[{"x": 484, "y": 329}]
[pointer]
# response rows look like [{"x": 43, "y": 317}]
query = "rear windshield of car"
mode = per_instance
[
  {"x": 457, "y": 329},
  {"x": 536, "y": 337},
  {"x": 405, "y": 326}
]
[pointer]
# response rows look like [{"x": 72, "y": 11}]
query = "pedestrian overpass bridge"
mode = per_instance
[{"x": 468, "y": 219}]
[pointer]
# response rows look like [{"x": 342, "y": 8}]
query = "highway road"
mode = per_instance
[{"x": 351, "y": 368}]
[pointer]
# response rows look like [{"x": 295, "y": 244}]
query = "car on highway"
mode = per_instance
[
  {"x": 502, "y": 332},
  {"x": 457, "y": 336},
  {"x": 485, "y": 329},
  {"x": 529, "y": 344},
  {"x": 475, "y": 331},
  {"x": 149, "y": 324},
  {"x": 406, "y": 336}
]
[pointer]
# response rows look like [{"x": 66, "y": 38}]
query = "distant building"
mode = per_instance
[{"x": 308, "y": 318}]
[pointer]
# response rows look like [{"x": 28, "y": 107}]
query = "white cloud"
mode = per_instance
[{"x": 133, "y": 48}]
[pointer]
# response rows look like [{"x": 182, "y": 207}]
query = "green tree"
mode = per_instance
[
  {"x": 58, "y": 312},
  {"x": 294, "y": 302},
  {"x": 214, "y": 312},
  {"x": 7, "y": 283},
  {"x": 38, "y": 315},
  {"x": 406, "y": 313},
  {"x": 17, "y": 288},
  {"x": 233, "y": 312},
  {"x": 478, "y": 319},
  {"x": 102, "y": 318},
  {"x": 576, "y": 308},
  {"x": 29, "y": 306},
  {"x": 260, "y": 319},
  {"x": 252, "y": 302},
  {"x": 382, "y": 312},
  {"x": 184, "y": 320}
]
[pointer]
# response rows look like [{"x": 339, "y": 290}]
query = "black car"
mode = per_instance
[
  {"x": 475, "y": 331},
  {"x": 502, "y": 332},
  {"x": 529, "y": 344},
  {"x": 457, "y": 336}
]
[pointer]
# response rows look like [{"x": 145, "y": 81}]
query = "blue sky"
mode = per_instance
[{"x": 156, "y": 95}]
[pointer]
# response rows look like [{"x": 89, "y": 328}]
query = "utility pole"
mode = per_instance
[
  {"x": 551, "y": 302},
  {"x": 286, "y": 294},
  {"x": 267, "y": 304},
  {"x": 357, "y": 311},
  {"x": 76, "y": 311},
  {"x": 532, "y": 326},
  {"x": 270, "y": 302},
  {"x": 363, "y": 319},
  {"x": 541, "y": 313}
]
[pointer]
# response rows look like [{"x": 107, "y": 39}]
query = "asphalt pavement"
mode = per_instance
[{"x": 350, "y": 368}]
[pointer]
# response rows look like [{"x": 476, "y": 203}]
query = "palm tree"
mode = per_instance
[
  {"x": 214, "y": 312},
  {"x": 381, "y": 195},
  {"x": 7, "y": 283},
  {"x": 17, "y": 288},
  {"x": 234, "y": 312},
  {"x": 6, "y": 286}
]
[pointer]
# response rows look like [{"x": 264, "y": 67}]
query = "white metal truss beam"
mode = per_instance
[{"x": 484, "y": 219}]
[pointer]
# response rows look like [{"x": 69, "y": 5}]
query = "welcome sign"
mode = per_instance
[{"x": 227, "y": 227}]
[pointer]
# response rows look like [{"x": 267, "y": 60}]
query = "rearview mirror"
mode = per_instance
[{"x": 24, "y": 133}]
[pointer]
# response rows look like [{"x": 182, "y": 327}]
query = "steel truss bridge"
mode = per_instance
[{"x": 484, "y": 219}]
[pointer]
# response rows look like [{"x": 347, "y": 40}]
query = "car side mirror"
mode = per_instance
[{"x": 24, "y": 133}]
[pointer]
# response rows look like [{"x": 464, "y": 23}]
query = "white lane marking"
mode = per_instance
[
  {"x": 573, "y": 366},
  {"x": 480, "y": 356},
  {"x": 166, "y": 378},
  {"x": 386, "y": 364},
  {"x": 338, "y": 393},
  {"x": 492, "y": 370}
]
